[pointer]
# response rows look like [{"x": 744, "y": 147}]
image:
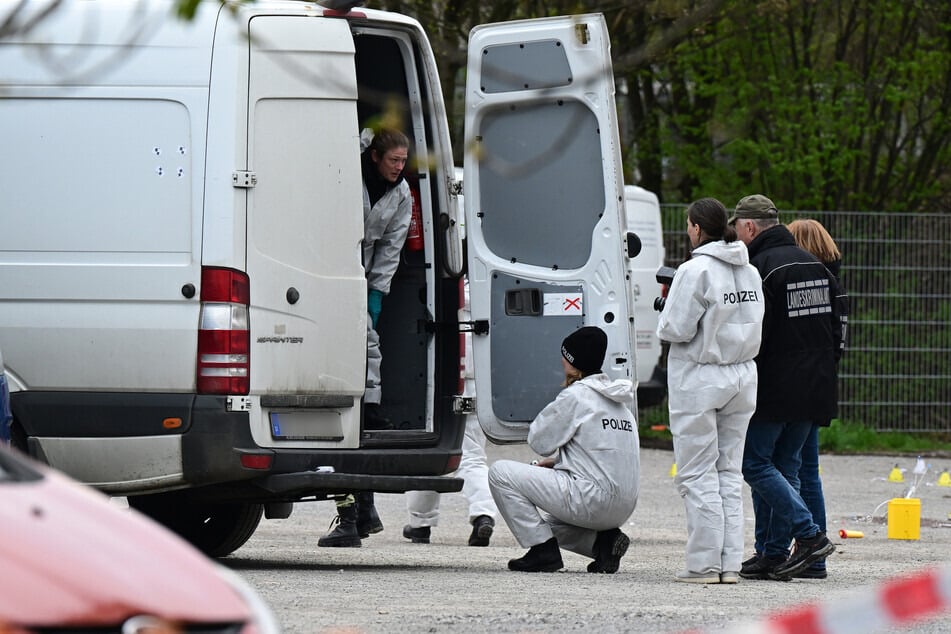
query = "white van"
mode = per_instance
[
  {"x": 182, "y": 300},
  {"x": 643, "y": 219}
]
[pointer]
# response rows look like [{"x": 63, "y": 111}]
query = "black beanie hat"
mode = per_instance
[{"x": 585, "y": 348}]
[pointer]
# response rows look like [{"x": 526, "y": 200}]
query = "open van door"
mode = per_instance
[{"x": 545, "y": 224}]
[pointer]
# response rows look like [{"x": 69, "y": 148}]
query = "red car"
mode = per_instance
[{"x": 73, "y": 561}]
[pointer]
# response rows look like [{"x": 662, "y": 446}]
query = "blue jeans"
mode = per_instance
[
  {"x": 810, "y": 485},
  {"x": 772, "y": 459}
]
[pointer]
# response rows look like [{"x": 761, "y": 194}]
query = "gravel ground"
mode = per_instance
[{"x": 391, "y": 585}]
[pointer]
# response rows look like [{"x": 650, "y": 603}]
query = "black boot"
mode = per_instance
[
  {"x": 368, "y": 520},
  {"x": 482, "y": 528},
  {"x": 419, "y": 535},
  {"x": 345, "y": 534},
  {"x": 545, "y": 557},
  {"x": 609, "y": 547}
]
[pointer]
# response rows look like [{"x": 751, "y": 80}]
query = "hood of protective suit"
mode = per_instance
[
  {"x": 617, "y": 390},
  {"x": 734, "y": 253}
]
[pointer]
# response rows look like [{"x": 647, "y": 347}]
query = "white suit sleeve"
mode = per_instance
[
  {"x": 684, "y": 307},
  {"x": 555, "y": 425},
  {"x": 386, "y": 250}
]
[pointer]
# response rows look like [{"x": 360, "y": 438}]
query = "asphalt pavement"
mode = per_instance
[{"x": 392, "y": 585}]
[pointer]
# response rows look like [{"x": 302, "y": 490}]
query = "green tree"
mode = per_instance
[{"x": 825, "y": 105}]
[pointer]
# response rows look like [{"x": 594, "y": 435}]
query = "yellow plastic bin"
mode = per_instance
[{"x": 904, "y": 518}]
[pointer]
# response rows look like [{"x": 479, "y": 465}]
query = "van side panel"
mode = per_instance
[{"x": 101, "y": 181}]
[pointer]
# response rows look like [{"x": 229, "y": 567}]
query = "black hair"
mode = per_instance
[{"x": 711, "y": 216}]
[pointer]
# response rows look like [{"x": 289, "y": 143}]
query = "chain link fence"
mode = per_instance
[{"x": 896, "y": 268}]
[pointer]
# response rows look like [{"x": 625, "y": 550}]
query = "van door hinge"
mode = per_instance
[
  {"x": 477, "y": 327},
  {"x": 463, "y": 405},
  {"x": 244, "y": 179}
]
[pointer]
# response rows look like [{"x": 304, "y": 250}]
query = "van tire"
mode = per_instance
[{"x": 215, "y": 529}]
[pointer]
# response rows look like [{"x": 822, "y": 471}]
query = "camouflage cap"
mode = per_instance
[{"x": 754, "y": 207}]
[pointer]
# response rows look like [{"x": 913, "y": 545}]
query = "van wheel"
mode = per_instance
[{"x": 215, "y": 529}]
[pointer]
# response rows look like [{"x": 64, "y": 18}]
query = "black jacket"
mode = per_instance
[{"x": 802, "y": 332}]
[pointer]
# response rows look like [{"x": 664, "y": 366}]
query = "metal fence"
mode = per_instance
[{"x": 896, "y": 373}]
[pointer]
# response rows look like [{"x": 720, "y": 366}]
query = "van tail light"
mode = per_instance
[
  {"x": 414, "y": 235},
  {"x": 224, "y": 334}
]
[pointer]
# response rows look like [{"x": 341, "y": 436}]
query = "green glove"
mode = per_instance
[{"x": 374, "y": 305}]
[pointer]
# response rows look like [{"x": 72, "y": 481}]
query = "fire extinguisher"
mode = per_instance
[{"x": 414, "y": 237}]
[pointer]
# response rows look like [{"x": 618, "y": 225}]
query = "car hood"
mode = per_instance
[{"x": 68, "y": 555}]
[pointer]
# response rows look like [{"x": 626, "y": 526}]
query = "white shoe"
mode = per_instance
[
  {"x": 697, "y": 577},
  {"x": 729, "y": 577}
]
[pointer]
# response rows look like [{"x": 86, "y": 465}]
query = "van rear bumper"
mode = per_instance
[
  {"x": 292, "y": 487},
  {"x": 210, "y": 444}
]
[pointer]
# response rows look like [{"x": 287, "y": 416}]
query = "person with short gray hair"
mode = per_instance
[{"x": 797, "y": 387}]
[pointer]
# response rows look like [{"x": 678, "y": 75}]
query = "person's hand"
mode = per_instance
[{"x": 374, "y": 305}]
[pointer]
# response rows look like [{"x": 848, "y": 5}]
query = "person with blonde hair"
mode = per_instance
[{"x": 811, "y": 236}]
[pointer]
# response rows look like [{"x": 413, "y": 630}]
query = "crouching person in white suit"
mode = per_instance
[{"x": 591, "y": 484}]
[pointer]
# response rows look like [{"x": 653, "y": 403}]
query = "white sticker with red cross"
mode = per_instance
[{"x": 563, "y": 304}]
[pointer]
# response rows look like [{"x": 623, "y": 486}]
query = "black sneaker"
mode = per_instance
[
  {"x": 609, "y": 547},
  {"x": 759, "y": 567},
  {"x": 419, "y": 535},
  {"x": 807, "y": 552},
  {"x": 545, "y": 557},
  {"x": 482, "y": 528},
  {"x": 751, "y": 560}
]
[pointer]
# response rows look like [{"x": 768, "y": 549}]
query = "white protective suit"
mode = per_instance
[
  {"x": 596, "y": 478},
  {"x": 423, "y": 506},
  {"x": 713, "y": 320},
  {"x": 385, "y": 225}
]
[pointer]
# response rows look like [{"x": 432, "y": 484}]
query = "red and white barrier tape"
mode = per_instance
[{"x": 894, "y": 603}]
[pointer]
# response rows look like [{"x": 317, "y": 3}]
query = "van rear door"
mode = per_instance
[
  {"x": 544, "y": 211},
  {"x": 305, "y": 223}
]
